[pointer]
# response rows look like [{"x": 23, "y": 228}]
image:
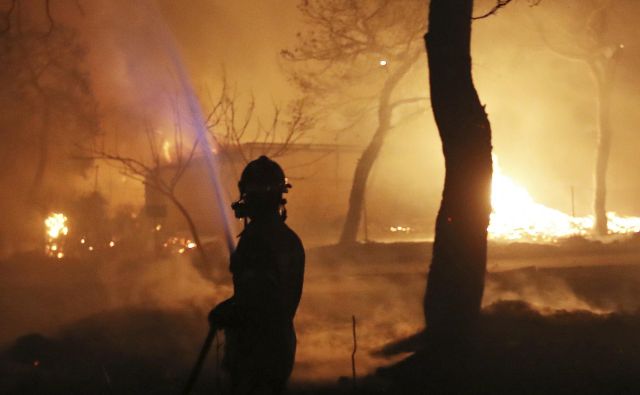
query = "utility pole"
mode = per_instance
[{"x": 573, "y": 207}]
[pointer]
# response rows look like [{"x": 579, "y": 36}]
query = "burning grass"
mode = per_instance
[
  {"x": 517, "y": 217},
  {"x": 56, "y": 230}
]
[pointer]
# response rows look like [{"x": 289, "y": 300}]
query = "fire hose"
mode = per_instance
[{"x": 197, "y": 368}]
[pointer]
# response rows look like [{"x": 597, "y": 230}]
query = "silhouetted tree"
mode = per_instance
[
  {"x": 150, "y": 172},
  {"x": 229, "y": 125},
  {"x": 350, "y": 42},
  {"x": 237, "y": 128},
  {"x": 456, "y": 277},
  {"x": 48, "y": 102},
  {"x": 601, "y": 56},
  {"x": 47, "y": 105}
]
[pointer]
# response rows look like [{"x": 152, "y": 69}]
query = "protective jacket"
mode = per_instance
[{"x": 268, "y": 270}]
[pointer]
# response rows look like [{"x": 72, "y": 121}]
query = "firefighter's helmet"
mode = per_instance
[
  {"x": 261, "y": 186},
  {"x": 263, "y": 176}
]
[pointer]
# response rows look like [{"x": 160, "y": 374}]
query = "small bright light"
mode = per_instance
[
  {"x": 56, "y": 225},
  {"x": 158, "y": 227},
  {"x": 405, "y": 229},
  {"x": 621, "y": 45},
  {"x": 90, "y": 248},
  {"x": 180, "y": 251},
  {"x": 82, "y": 241},
  {"x": 191, "y": 244},
  {"x": 57, "y": 230},
  {"x": 383, "y": 63},
  {"x": 112, "y": 243}
]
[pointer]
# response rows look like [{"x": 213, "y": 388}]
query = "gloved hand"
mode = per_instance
[{"x": 222, "y": 316}]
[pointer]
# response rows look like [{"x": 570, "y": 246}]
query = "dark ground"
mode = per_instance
[{"x": 579, "y": 334}]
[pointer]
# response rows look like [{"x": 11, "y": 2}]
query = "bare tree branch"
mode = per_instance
[
  {"x": 574, "y": 53},
  {"x": 185, "y": 164},
  {"x": 162, "y": 179},
  {"x": 363, "y": 46},
  {"x": 494, "y": 10},
  {"x": 408, "y": 100},
  {"x": 601, "y": 56},
  {"x": 233, "y": 125},
  {"x": 500, "y": 4}
]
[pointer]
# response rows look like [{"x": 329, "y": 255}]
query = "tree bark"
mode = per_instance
[
  {"x": 456, "y": 277},
  {"x": 603, "y": 71},
  {"x": 365, "y": 163},
  {"x": 602, "y": 158}
]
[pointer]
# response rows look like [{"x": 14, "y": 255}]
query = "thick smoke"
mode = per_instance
[{"x": 114, "y": 318}]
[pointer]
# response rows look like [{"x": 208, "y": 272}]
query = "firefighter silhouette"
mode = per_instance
[{"x": 268, "y": 271}]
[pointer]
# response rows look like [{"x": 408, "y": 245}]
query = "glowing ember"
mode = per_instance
[
  {"x": 56, "y": 225},
  {"x": 516, "y": 216},
  {"x": 56, "y": 229},
  {"x": 179, "y": 245},
  {"x": 405, "y": 229}
]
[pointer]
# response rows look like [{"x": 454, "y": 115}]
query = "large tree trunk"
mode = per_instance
[
  {"x": 456, "y": 277},
  {"x": 602, "y": 157},
  {"x": 603, "y": 72},
  {"x": 370, "y": 154}
]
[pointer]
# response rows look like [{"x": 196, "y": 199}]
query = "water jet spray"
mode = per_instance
[{"x": 198, "y": 120}]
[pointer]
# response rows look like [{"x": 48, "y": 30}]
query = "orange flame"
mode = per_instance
[
  {"x": 517, "y": 217},
  {"x": 56, "y": 230}
]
